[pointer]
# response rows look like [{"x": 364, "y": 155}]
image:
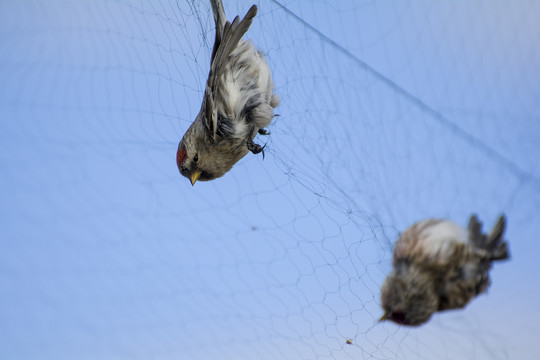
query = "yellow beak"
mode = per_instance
[
  {"x": 194, "y": 176},
  {"x": 384, "y": 317}
]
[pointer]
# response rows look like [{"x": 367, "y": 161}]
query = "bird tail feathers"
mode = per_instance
[
  {"x": 228, "y": 34},
  {"x": 494, "y": 243},
  {"x": 219, "y": 14}
]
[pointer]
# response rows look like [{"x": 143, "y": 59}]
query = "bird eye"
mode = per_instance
[{"x": 196, "y": 158}]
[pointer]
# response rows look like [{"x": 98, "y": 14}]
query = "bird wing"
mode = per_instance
[
  {"x": 227, "y": 38},
  {"x": 462, "y": 283},
  {"x": 471, "y": 276},
  {"x": 220, "y": 19},
  {"x": 476, "y": 237}
]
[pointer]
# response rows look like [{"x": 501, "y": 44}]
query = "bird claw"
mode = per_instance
[
  {"x": 263, "y": 132},
  {"x": 255, "y": 148}
]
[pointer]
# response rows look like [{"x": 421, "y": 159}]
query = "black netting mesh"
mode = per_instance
[{"x": 390, "y": 112}]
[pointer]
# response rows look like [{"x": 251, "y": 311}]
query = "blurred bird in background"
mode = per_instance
[
  {"x": 238, "y": 103},
  {"x": 438, "y": 265}
]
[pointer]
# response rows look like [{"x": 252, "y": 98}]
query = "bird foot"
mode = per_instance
[
  {"x": 255, "y": 148},
  {"x": 263, "y": 132}
]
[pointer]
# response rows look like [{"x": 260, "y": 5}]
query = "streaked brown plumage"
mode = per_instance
[
  {"x": 438, "y": 265},
  {"x": 238, "y": 103}
]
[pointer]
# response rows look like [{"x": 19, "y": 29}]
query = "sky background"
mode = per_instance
[{"x": 391, "y": 112}]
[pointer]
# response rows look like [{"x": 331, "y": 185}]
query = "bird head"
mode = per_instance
[
  {"x": 199, "y": 158},
  {"x": 408, "y": 298},
  {"x": 191, "y": 160}
]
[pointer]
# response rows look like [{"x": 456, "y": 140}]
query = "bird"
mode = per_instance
[
  {"x": 439, "y": 265},
  {"x": 238, "y": 103}
]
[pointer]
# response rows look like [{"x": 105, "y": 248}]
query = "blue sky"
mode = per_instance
[{"x": 391, "y": 112}]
